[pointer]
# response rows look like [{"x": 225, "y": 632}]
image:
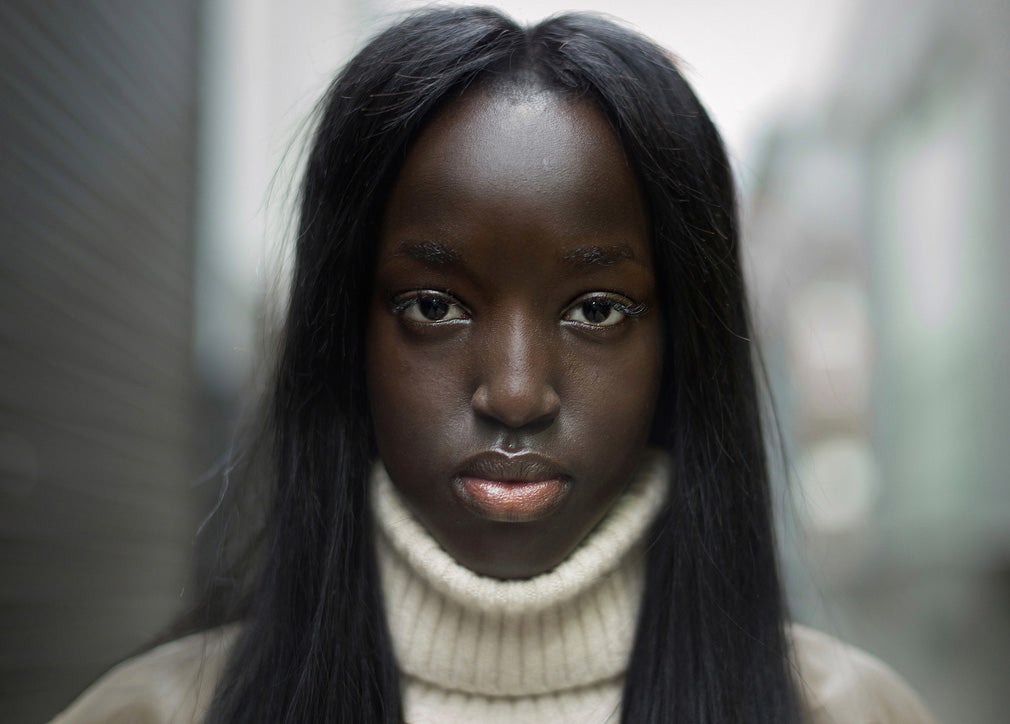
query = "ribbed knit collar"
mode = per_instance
[{"x": 570, "y": 627}]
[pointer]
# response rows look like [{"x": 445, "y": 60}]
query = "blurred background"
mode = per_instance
[{"x": 148, "y": 153}]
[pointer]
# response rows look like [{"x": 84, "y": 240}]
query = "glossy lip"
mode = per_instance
[{"x": 505, "y": 488}]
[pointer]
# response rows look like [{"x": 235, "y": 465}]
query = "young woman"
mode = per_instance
[{"x": 519, "y": 465}]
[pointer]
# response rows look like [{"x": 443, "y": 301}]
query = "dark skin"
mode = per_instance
[{"x": 513, "y": 323}]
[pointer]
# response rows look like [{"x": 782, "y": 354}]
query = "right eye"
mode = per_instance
[{"x": 428, "y": 307}]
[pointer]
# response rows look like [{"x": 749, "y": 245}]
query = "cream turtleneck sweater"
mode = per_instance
[
  {"x": 470, "y": 649},
  {"x": 548, "y": 649}
]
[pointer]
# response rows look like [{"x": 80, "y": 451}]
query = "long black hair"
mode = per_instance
[{"x": 710, "y": 643}]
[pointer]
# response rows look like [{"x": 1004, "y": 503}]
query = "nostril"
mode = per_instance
[
  {"x": 515, "y": 373},
  {"x": 517, "y": 408}
]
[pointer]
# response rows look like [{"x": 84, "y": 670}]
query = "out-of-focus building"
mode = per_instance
[
  {"x": 137, "y": 144},
  {"x": 879, "y": 248},
  {"x": 98, "y": 116}
]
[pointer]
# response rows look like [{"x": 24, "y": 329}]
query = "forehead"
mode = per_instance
[{"x": 523, "y": 155}]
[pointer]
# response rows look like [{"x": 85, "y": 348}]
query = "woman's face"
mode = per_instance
[{"x": 514, "y": 343}]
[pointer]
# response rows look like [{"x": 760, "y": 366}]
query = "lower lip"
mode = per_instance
[{"x": 511, "y": 501}]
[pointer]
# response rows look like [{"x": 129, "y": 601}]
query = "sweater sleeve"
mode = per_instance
[
  {"x": 844, "y": 685},
  {"x": 171, "y": 684}
]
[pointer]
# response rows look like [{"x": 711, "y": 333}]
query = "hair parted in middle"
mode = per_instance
[{"x": 710, "y": 643}]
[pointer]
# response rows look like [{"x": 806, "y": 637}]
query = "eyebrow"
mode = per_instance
[
  {"x": 432, "y": 253},
  {"x": 597, "y": 256},
  {"x": 435, "y": 253}
]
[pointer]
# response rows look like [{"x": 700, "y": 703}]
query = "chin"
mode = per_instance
[{"x": 512, "y": 551}]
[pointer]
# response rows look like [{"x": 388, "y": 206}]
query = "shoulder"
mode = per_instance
[
  {"x": 171, "y": 684},
  {"x": 841, "y": 683}
]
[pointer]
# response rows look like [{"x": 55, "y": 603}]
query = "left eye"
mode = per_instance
[
  {"x": 597, "y": 312},
  {"x": 429, "y": 308}
]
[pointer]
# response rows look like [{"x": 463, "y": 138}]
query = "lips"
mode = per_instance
[{"x": 511, "y": 488}]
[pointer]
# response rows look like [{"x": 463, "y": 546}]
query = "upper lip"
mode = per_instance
[{"x": 519, "y": 468}]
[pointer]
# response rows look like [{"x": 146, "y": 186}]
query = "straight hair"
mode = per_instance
[{"x": 710, "y": 643}]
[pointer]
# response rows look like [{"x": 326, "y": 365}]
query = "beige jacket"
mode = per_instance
[
  {"x": 553, "y": 648},
  {"x": 174, "y": 683}
]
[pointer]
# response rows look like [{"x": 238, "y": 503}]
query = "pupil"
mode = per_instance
[
  {"x": 596, "y": 311},
  {"x": 433, "y": 308}
]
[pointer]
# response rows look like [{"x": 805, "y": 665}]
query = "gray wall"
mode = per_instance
[{"x": 97, "y": 143}]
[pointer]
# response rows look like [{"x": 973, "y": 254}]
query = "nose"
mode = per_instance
[{"x": 515, "y": 386}]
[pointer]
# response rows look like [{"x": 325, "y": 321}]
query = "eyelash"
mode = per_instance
[
  {"x": 405, "y": 303},
  {"x": 617, "y": 303}
]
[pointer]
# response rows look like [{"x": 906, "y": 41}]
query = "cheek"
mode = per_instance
[
  {"x": 646, "y": 381},
  {"x": 414, "y": 396},
  {"x": 612, "y": 397}
]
